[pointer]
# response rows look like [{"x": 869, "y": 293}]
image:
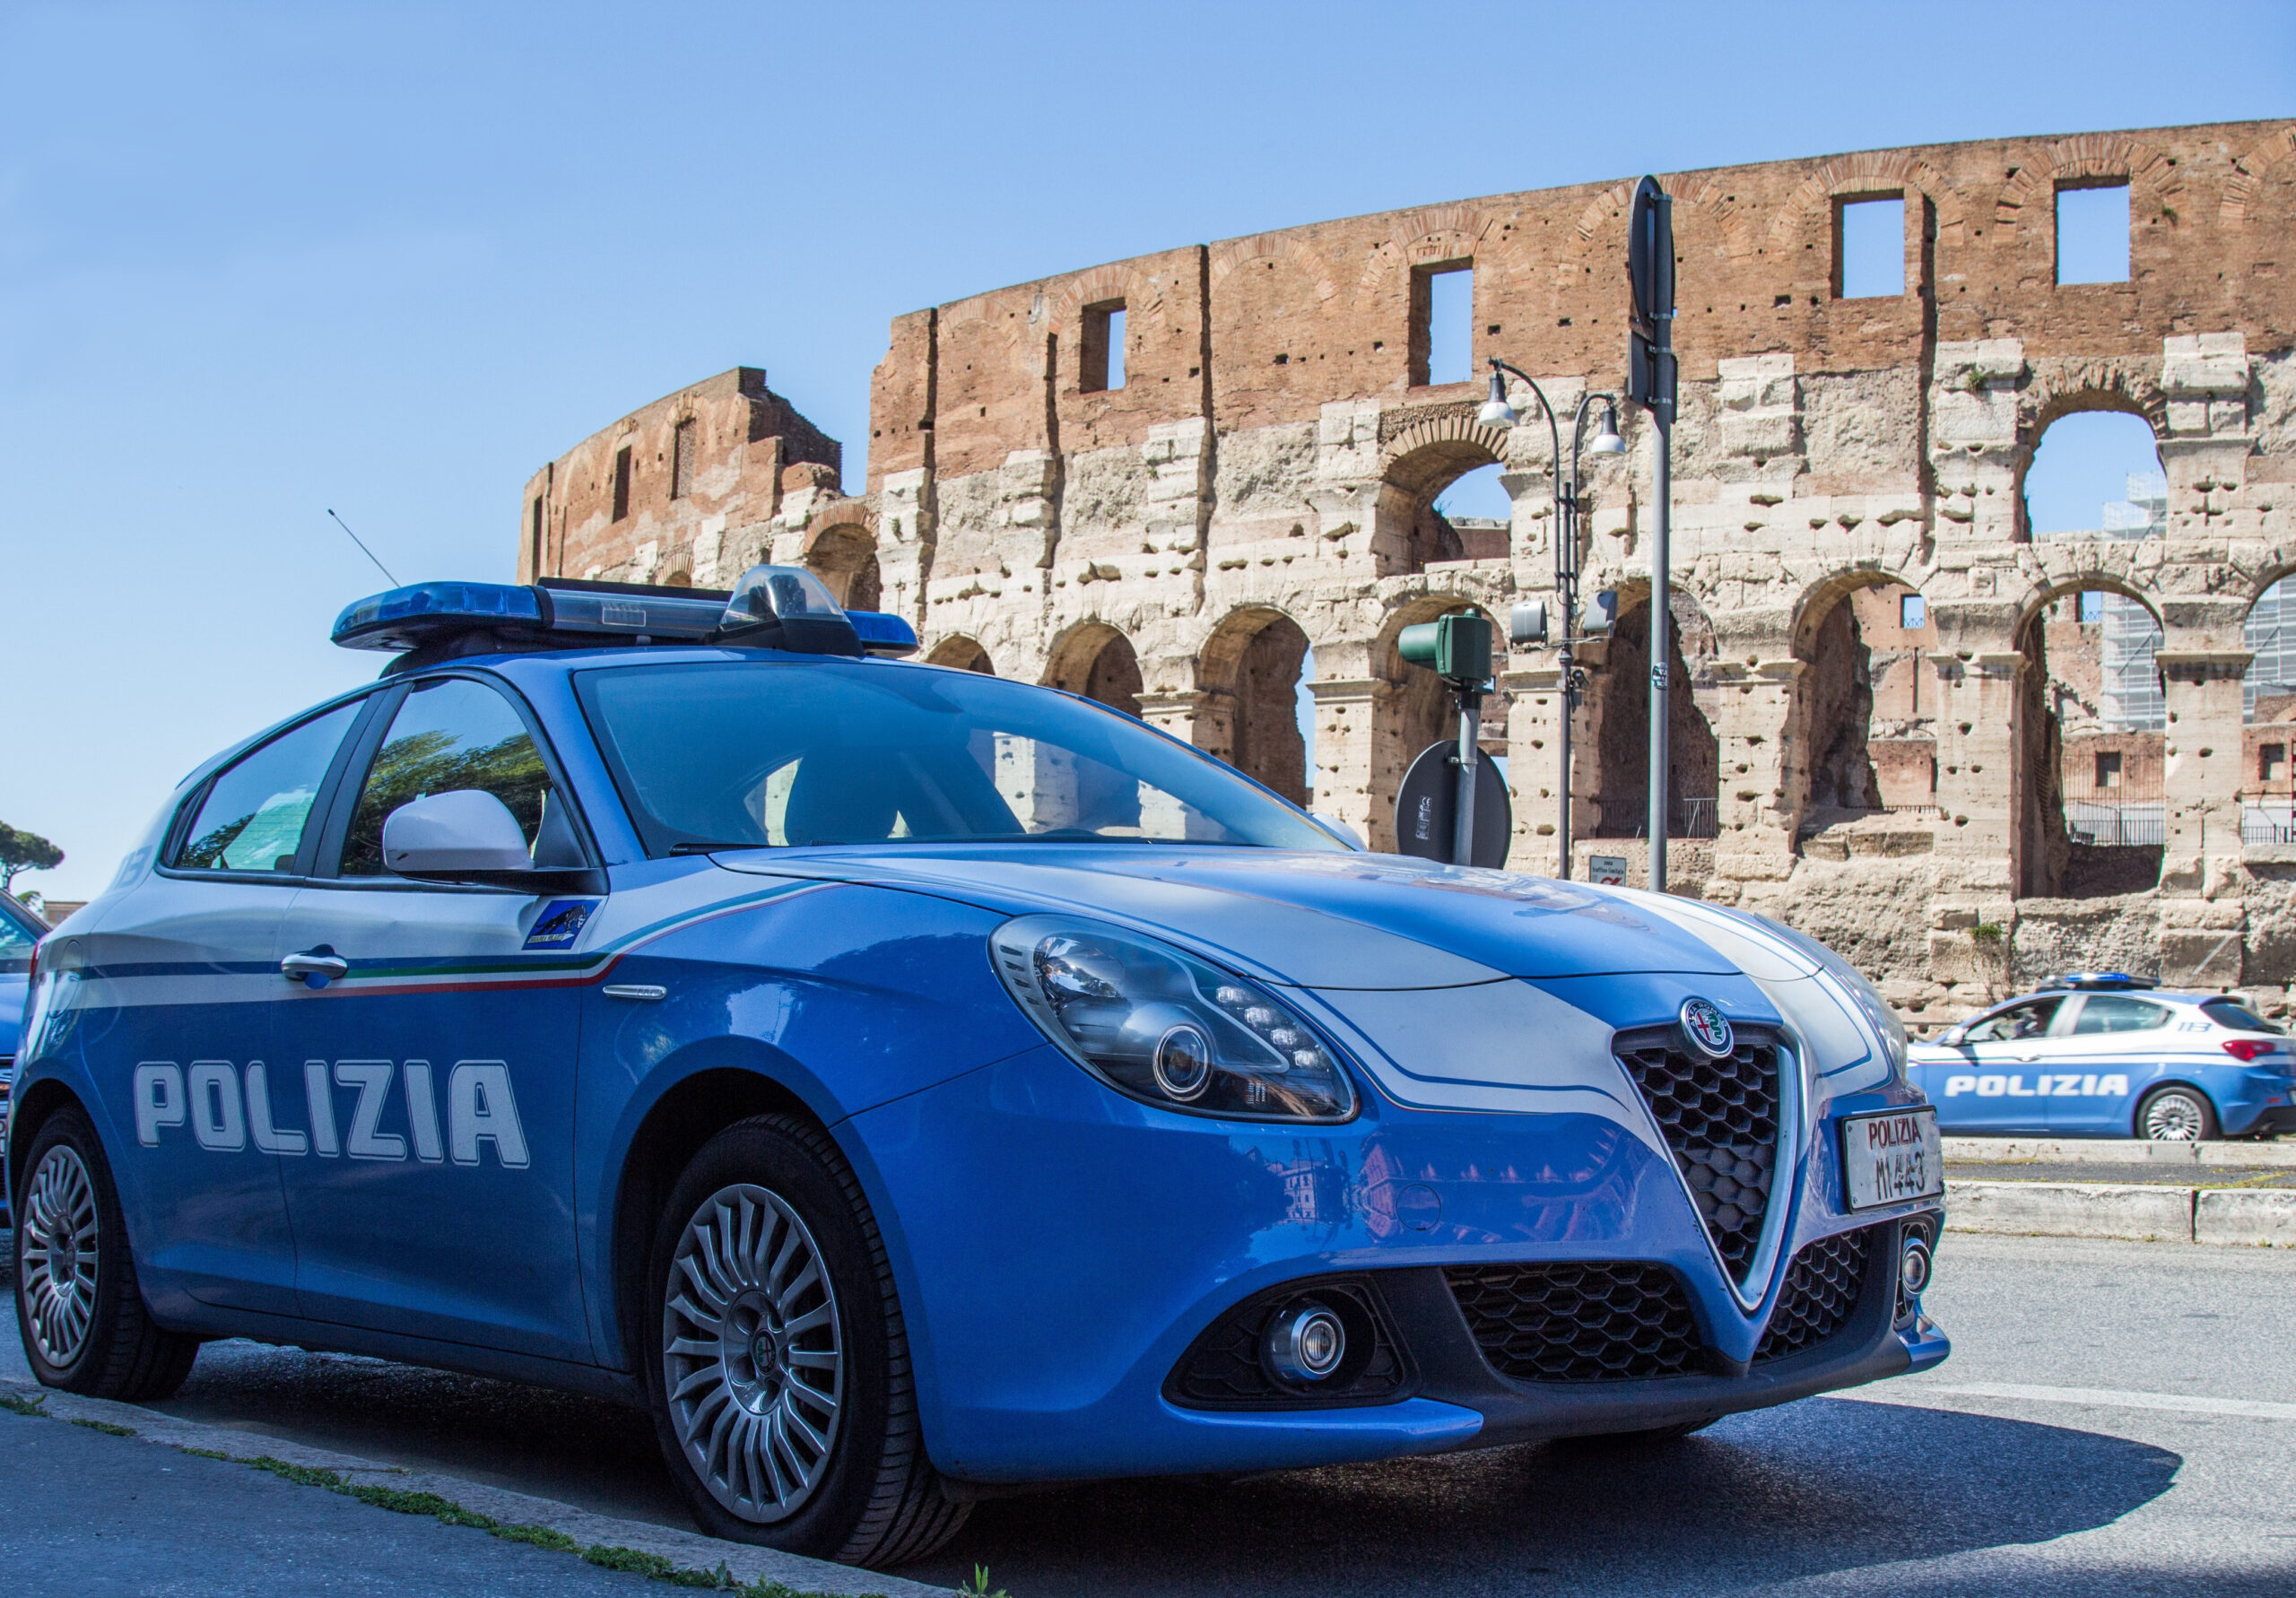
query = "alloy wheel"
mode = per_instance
[
  {"x": 2173, "y": 1118},
  {"x": 59, "y": 1256},
  {"x": 751, "y": 1357}
]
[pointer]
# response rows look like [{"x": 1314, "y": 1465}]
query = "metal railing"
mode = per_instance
[
  {"x": 1691, "y": 818},
  {"x": 2143, "y": 823},
  {"x": 2268, "y": 821}
]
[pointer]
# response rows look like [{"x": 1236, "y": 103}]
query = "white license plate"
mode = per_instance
[{"x": 1890, "y": 1157}]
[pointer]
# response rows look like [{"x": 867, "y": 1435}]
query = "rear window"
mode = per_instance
[
  {"x": 2226, "y": 1012},
  {"x": 17, "y": 936}
]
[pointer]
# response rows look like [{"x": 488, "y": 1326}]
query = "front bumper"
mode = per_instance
[{"x": 1060, "y": 1251}]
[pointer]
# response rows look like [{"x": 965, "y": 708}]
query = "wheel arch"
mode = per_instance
[
  {"x": 26, "y": 1115},
  {"x": 2155, "y": 1089}
]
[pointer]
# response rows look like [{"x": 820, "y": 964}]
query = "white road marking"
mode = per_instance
[{"x": 2110, "y": 1398}]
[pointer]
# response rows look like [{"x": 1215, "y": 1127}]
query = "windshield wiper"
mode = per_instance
[{"x": 690, "y": 846}]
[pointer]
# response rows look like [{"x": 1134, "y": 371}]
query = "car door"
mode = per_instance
[
  {"x": 177, "y": 1032},
  {"x": 2005, "y": 1051},
  {"x": 437, "y": 1055},
  {"x": 2120, "y": 1044}
]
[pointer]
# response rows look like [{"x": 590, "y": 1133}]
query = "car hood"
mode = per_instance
[{"x": 1306, "y": 919}]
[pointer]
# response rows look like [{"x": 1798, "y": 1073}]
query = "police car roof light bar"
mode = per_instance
[
  {"x": 2096, "y": 981},
  {"x": 772, "y": 607}
]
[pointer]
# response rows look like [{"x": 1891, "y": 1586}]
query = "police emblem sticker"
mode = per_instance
[
  {"x": 1707, "y": 1028},
  {"x": 561, "y": 923}
]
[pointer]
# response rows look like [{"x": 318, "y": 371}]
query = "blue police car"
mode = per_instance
[
  {"x": 910, "y": 1085},
  {"x": 2103, "y": 1054}
]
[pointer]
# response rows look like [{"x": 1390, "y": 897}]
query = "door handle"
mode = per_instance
[{"x": 315, "y": 968}]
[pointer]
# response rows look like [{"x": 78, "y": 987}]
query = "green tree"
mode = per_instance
[{"x": 21, "y": 851}]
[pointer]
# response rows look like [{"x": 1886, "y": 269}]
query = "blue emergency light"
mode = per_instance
[
  {"x": 2096, "y": 982},
  {"x": 772, "y": 607}
]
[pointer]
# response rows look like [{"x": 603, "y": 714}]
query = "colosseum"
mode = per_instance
[{"x": 1207, "y": 486}]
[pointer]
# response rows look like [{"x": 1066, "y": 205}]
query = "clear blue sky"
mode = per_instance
[{"x": 256, "y": 261}]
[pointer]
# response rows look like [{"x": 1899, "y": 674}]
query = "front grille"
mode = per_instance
[
  {"x": 1820, "y": 1294},
  {"x": 1720, "y": 1119},
  {"x": 1579, "y": 1322}
]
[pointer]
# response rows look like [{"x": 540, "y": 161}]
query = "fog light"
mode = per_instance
[
  {"x": 1305, "y": 1343},
  {"x": 1913, "y": 1272}
]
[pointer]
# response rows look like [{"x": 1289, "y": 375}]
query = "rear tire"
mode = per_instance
[
  {"x": 777, "y": 1362},
  {"x": 78, "y": 1305},
  {"x": 2175, "y": 1115}
]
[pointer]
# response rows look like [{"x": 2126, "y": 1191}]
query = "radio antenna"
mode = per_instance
[{"x": 364, "y": 550}]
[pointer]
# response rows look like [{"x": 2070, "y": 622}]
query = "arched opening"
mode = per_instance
[
  {"x": 1250, "y": 672},
  {"x": 1618, "y": 712},
  {"x": 1865, "y": 735},
  {"x": 964, "y": 652},
  {"x": 1440, "y": 499},
  {"x": 845, "y": 557},
  {"x": 2096, "y": 474},
  {"x": 2093, "y": 817},
  {"x": 2269, "y": 708},
  {"x": 1098, "y": 662}
]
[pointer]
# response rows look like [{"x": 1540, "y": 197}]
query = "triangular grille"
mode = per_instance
[{"x": 1720, "y": 1119}]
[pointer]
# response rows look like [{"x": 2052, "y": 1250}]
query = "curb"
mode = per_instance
[
  {"x": 2255, "y": 1218},
  {"x": 683, "y": 1550},
  {"x": 2114, "y": 1151}
]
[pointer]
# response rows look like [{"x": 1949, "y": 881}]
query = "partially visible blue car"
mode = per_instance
[
  {"x": 20, "y": 929},
  {"x": 2105, "y": 1055}
]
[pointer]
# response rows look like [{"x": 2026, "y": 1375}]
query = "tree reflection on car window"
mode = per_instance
[{"x": 449, "y": 736}]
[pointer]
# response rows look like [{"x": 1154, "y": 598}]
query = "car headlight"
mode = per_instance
[{"x": 1165, "y": 1027}]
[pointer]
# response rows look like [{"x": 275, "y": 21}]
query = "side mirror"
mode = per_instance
[
  {"x": 470, "y": 835},
  {"x": 1954, "y": 1037},
  {"x": 1339, "y": 829}
]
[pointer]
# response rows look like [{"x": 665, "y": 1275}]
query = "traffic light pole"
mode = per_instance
[
  {"x": 1470, "y": 732},
  {"x": 1662, "y": 619}
]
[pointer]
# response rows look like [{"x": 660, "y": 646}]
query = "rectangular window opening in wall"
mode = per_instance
[
  {"x": 1101, "y": 347},
  {"x": 2272, "y": 762},
  {"x": 1443, "y": 323},
  {"x": 2109, "y": 770},
  {"x": 622, "y": 482},
  {"x": 1913, "y": 612},
  {"x": 1869, "y": 247},
  {"x": 2092, "y": 233},
  {"x": 686, "y": 439}
]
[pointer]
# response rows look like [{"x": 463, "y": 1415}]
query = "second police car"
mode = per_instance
[
  {"x": 2102, "y": 1054},
  {"x": 911, "y": 1084}
]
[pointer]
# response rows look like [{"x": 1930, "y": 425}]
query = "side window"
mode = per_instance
[
  {"x": 2020, "y": 1020},
  {"x": 450, "y": 734},
  {"x": 2227, "y": 1012},
  {"x": 17, "y": 940},
  {"x": 255, "y": 812},
  {"x": 2117, "y": 1013}
]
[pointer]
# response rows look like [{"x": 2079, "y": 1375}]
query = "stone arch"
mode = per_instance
[
  {"x": 1617, "y": 723},
  {"x": 2246, "y": 190},
  {"x": 1810, "y": 208},
  {"x": 2127, "y": 388},
  {"x": 1095, "y": 660},
  {"x": 840, "y": 548},
  {"x": 1248, "y": 673},
  {"x": 1280, "y": 248},
  {"x": 1416, "y": 466},
  {"x": 962, "y": 652},
  {"x": 2149, "y": 173},
  {"x": 1860, "y": 737},
  {"x": 2088, "y": 783},
  {"x": 1428, "y": 234}
]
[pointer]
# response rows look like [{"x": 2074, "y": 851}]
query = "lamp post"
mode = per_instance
[{"x": 1497, "y": 413}]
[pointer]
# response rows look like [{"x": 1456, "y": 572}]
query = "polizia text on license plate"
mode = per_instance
[{"x": 1890, "y": 1157}]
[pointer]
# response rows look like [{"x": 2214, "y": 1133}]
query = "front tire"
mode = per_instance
[
  {"x": 780, "y": 1372},
  {"x": 2175, "y": 1115},
  {"x": 78, "y": 1306}
]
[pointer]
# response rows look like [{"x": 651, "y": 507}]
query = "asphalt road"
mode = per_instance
[{"x": 2115, "y": 1418}]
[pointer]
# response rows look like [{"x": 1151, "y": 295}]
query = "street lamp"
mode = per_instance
[{"x": 1497, "y": 413}]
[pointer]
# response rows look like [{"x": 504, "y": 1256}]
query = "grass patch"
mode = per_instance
[
  {"x": 23, "y": 1406},
  {"x": 547, "y": 1537},
  {"x": 204, "y": 1452},
  {"x": 106, "y": 1427}
]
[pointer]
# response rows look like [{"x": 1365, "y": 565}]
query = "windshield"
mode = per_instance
[
  {"x": 17, "y": 936},
  {"x": 2226, "y": 1012},
  {"x": 767, "y": 754}
]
